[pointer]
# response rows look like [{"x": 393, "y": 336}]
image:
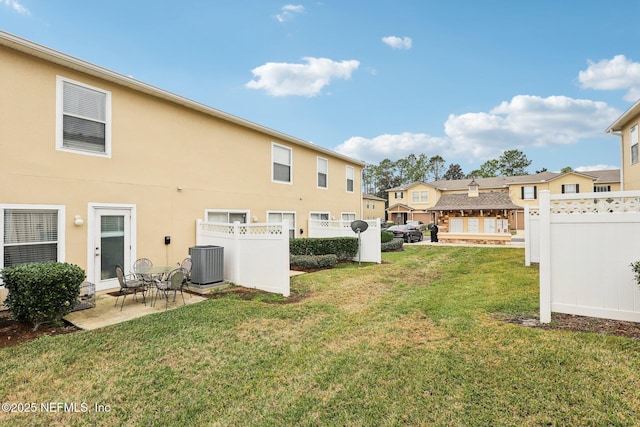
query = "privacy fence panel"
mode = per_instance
[
  {"x": 370, "y": 244},
  {"x": 587, "y": 243},
  {"x": 255, "y": 255}
]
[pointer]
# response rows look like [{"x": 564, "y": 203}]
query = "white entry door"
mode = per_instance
[{"x": 112, "y": 245}]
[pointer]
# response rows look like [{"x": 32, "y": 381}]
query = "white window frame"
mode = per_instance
[
  {"x": 320, "y": 214},
  {"x": 348, "y": 216},
  {"x": 351, "y": 174},
  {"x": 292, "y": 227},
  {"x": 398, "y": 195},
  {"x": 60, "y": 82},
  {"x": 570, "y": 188},
  {"x": 424, "y": 196},
  {"x": 275, "y": 145},
  {"x": 529, "y": 192},
  {"x": 456, "y": 225},
  {"x": 61, "y": 250},
  {"x": 320, "y": 161},
  {"x": 229, "y": 212},
  {"x": 415, "y": 196},
  {"x": 634, "y": 143},
  {"x": 601, "y": 188}
]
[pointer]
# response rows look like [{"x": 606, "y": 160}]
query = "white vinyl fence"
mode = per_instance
[
  {"x": 255, "y": 255},
  {"x": 370, "y": 245},
  {"x": 587, "y": 243}
]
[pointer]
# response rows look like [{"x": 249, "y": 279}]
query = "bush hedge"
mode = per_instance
[
  {"x": 344, "y": 248},
  {"x": 386, "y": 236},
  {"x": 42, "y": 292},
  {"x": 393, "y": 245},
  {"x": 313, "y": 262}
]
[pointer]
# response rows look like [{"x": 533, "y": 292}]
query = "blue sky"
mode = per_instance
[{"x": 377, "y": 79}]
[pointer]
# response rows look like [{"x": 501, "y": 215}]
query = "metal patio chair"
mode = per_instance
[
  {"x": 129, "y": 285},
  {"x": 173, "y": 283},
  {"x": 186, "y": 266}
]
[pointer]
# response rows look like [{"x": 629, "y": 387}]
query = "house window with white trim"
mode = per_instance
[
  {"x": 415, "y": 196},
  {"x": 570, "y": 188},
  {"x": 31, "y": 234},
  {"x": 323, "y": 173},
  {"x": 601, "y": 188},
  {"x": 634, "y": 144},
  {"x": 227, "y": 216},
  {"x": 289, "y": 217},
  {"x": 348, "y": 216},
  {"x": 398, "y": 194},
  {"x": 282, "y": 163},
  {"x": 350, "y": 179},
  {"x": 424, "y": 196},
  {"x": 83, "y": 118},
  {"x": 528, "y": 192}
]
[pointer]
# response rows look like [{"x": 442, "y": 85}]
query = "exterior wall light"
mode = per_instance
[{"x": 77, "y": 220}]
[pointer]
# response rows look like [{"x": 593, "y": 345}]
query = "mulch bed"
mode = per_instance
[{"x": 13, "y": 332}]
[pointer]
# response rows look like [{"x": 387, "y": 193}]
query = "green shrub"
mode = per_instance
[
  {"x": 42, "y": 292},
  {"x": 345, "y": 248},
  {"x": 393, "y": 245},
  {"x": 386, "y": 236},
  {"x": 313, "y": 262}
]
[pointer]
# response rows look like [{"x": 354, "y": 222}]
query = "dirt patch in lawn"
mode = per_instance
[{"x": 570, "y": 322}]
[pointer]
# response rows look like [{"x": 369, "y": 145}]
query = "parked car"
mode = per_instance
[
  {"x": 409, "y": 233},
  {"x": 418, "y": 224}
]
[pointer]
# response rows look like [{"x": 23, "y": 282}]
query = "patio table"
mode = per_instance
[{"x": 153, "y": 273}]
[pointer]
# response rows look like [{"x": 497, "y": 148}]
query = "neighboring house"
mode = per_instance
[
  {"x": 99, "y": 168},
  {"x": 626, "y": 127},
  {"x": 373, "y": 207},
  {"x": 487, "y": 205}
]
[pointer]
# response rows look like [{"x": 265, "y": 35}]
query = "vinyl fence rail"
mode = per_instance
[
  {"x": 370, "y": 244},
  {"x": 587, "y": 243},
  {"x": 255, "y": 255}
]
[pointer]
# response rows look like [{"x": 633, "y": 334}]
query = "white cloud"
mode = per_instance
[
  {"x": 525, "y": 121},
  {"x": 391, "y": 146},
  {"x": 398, "y": 42},
  {"x": 308, "y": 79},
  {"x": 618, "y": 73},
  {"x": 600, "y": 167},
  {"x": 15, "y": 5},
  {"x": 289, "y": 11}
]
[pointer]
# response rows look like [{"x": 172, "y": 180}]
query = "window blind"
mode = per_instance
[
  {"x": 30, "y": 235},
  {"x": 84, "y": 118}
]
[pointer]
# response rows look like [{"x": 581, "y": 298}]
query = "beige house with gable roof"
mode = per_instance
[
  {"x": 99, "y": 168},
  {"x": 484, "y": 206}
]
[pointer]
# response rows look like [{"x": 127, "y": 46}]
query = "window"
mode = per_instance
[
  {"x": 289, "y": 217},
  {"x": 415, "y": 196},
  {"x": 348, "y": 216},
  {"x": 227, "y": 216},
  {"x": 282, "y": 163},
  {"x": 398, "y": 194},
  {"x": 323, "y": 173},
  {"x": 528, "y": 192},
  {"x": 424, "y": 196},
  {"x": 83, "y": 118},
  {"x": 570, "y": 188},
  {"x": 31, "y": 234},
  {"x": 634, "y": 144},
  {"x": 601, "y": 188},
  {"x": 373, "y": 204},
  {"x": 319, "y": 216},
  {"x": 350, "y": 179},
  {"x": 367, "y": 204}
]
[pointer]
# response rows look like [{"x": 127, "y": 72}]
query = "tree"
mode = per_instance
[
  {"x": 436, "y": 167},
  {"x": 454, "y": 172},
  {"x": 488, "y": 169},
  {"x": 513, "y": 162},
  {"x": 566, "y": 169},
  {"x": 542, "y": 170}
]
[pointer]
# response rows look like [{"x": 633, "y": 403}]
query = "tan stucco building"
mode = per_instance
[
  {"x": 373, "y": 207},
  {"x": 98, "y": 168},
  {"x": 626, "y": 127},
  {"x": 487, "y": 205}
]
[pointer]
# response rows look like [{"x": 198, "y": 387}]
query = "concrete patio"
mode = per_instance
[{"x": 105, "y": 313}]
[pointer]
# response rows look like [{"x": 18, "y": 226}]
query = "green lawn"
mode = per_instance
[{"x": 413, "y": 341}]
